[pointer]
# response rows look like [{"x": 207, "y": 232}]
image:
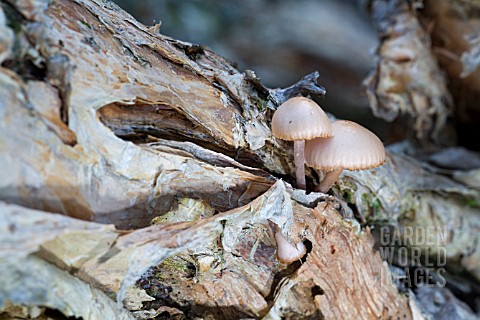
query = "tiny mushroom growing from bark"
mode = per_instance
[
  {"x": 352, "y": 147},
  {"x": 287, "y": 252},
  {"x": 299, "y": 119}
]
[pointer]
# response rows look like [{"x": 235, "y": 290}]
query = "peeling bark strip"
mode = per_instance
[{"x": 407, "y": 79}]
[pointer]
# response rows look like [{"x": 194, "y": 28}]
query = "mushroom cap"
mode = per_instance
[
  {"x": 352, "y": 147},
  {"x": 287, "y": 252},
  {"x": 300, "y": 118}
]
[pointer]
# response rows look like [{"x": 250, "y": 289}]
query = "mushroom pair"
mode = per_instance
[{"x": 329, "y": 147}]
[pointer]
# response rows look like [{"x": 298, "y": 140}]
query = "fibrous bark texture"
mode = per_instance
[{"x": 142, "y": 181}]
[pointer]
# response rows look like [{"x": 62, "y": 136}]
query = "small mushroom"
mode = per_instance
[
  {"x": 352, "y": 147},
  {"x": 287, "y": 252},
  {"x": 299, "y": 119}
]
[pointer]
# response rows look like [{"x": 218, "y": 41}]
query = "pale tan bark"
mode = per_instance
[{"x": 120, "y": 124}]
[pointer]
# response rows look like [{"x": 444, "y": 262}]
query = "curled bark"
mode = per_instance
[{"x": 407, "y": 79}]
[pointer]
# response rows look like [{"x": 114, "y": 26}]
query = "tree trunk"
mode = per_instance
[{"x": 142, "y": 170}]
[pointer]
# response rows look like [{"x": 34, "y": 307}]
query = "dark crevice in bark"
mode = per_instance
[
  {"x": 58, "y": 73},
  {"x": 31, "y": 64},
  {"x": 20, "y": 61},
  {"x": 193, "y": 51},
  {"x": 57, "y": 315},
  {"x": 285, "y": 273},
  {"x": 143, "y": 123}
]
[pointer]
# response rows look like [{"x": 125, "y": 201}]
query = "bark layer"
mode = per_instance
[{"x": 110, "y": 124}]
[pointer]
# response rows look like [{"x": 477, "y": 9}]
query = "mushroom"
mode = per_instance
[
  {"x": 287, "y": 252},
  {"x": 352, "y": 147},
  {"x": 299, "y": 119}
]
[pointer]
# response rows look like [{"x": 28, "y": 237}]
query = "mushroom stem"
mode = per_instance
[
  {"x": 299, "y": 156},
  {"x": 328, "y": 180}
]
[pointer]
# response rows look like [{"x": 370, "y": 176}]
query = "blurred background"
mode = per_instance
[{"x": 281, "y": 40}]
